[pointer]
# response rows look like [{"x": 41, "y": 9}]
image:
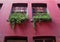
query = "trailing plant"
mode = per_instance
[
  {"x": 17, "y": 18},
  {"x": 39, "y": 17}
]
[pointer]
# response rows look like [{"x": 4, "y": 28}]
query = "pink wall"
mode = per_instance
[
  {"x": 26, "y": 29},
  {"x": 58, "y": 1}
]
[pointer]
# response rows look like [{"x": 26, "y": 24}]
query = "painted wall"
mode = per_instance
[
  {"x": 58, "y": 1},
  {"x": 26, "y": 29}
]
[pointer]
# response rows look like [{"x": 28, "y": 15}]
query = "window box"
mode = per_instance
[
  {"x": 41, "y": 17},
  {"x": 17, "y": 18}
]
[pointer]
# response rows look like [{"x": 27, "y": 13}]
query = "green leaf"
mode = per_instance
[
  {"x": 17, "y": 18},
  {"x": 41, "y": 17}
]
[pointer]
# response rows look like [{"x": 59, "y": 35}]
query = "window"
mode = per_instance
[
  {"x": 19, "y": 7},
  {"x": 44, "y": 39},
  {"x": 58, "y": 5},
  {"x": 39, "y": 12},
  {"x": 39, "y": 8},
  {"x": 1, "y": 5},
  {"x": 18, "y": 14},
  {"x": 15, "y": 39}
]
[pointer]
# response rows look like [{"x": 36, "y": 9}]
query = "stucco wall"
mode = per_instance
[{"x": 26, "y": 29}]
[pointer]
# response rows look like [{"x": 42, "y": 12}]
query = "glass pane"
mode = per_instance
[
  {"x": 38, "y": 40},
  {"x": 19, "y": 9},
  {"x": 48, "y": 40},
  {"x": 16, "y": 41},
  {"x": 38, "y": 8}
]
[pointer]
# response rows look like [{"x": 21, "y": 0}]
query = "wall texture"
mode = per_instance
[{"x": 26, "y": 29}]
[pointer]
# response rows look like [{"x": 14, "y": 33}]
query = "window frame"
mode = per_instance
[
  {"x": 25, "y": 5},
  {"x": 44, "y": 38},
  {"x": 39, "y": 5},
  {"x": 1, "y": 4},
  {"x": 15, "y": 38}
]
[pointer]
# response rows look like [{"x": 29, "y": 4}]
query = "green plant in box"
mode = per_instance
[
  {"x": 41, "y": 17},
  {"x": 17, "y": 18},
  {"x": 46, "y": 17},
  {"x": 36, "y": 18}
]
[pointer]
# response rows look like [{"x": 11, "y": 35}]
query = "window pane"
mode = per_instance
[
  {"x": 48, "y": 40},
  {"x": 16, "y": 41},
  {"x": 38, "y": 8},
  {"x": 20, "y": 7},
  {"x": 44, "y": 39},
  {"x": 38, "y": 40}
]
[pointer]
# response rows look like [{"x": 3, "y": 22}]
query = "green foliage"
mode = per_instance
[
  {"x": 17, "y": 18},
  {"x": 41, "y": 17}
]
